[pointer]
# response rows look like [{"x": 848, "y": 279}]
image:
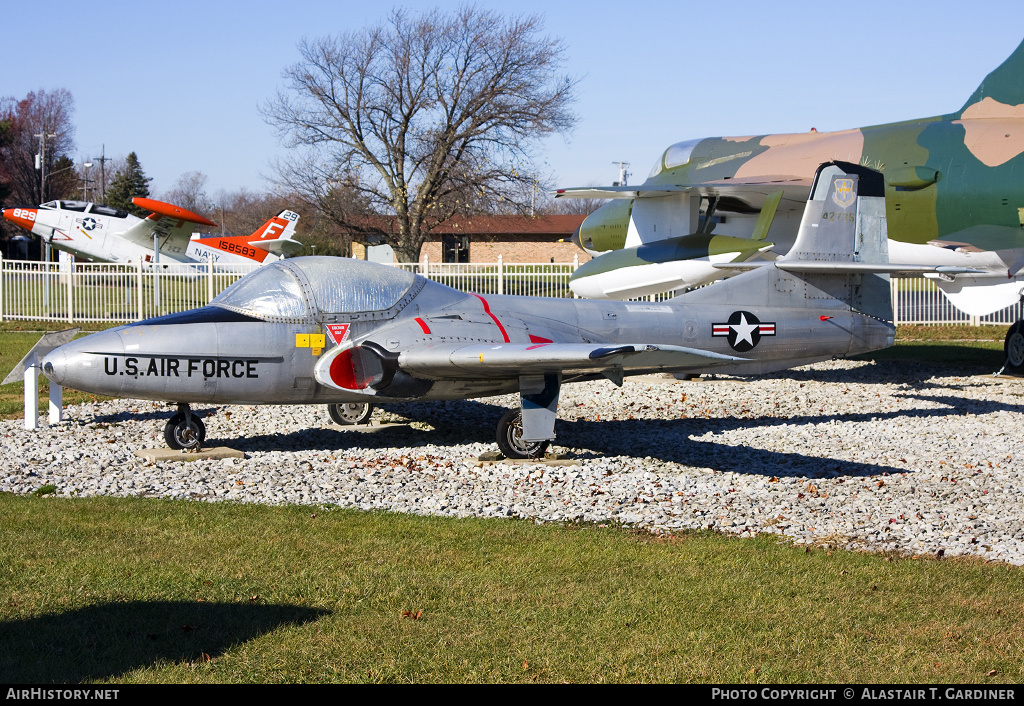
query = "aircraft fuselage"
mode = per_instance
[{"x": 215, "y": 356}]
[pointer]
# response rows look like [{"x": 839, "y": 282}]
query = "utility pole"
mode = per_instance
[
  {"x": 623, "y": 174},
  {"x": 41, "y": 163},
  {"x": 102, "y": 159},
  {"x": 42, "y": 196},
  {"x": 86, "y": 181}
]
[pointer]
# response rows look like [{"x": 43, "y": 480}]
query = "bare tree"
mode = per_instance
[
  {"x": 38, "y": 114},
  {"x": 241, "y": 212},
  {"x": 419, "y": 118},
  {"x": 189, "y": 192}
]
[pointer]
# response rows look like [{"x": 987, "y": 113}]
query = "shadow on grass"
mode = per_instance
[{"x": 105, "y": 641}]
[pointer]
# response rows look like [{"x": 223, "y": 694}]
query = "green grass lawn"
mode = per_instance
[{"x": 144, "y": 590}]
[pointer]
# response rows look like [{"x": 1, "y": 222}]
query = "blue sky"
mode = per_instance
[{"x": 180, "y": 83}]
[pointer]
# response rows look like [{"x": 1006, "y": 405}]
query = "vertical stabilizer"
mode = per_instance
[
  {"x": 842, "y": 237},
  {"x": 1005, "y": 84},
  {"x": 844, "y": 222}
]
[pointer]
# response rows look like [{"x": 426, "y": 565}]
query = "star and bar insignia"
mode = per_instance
[{"x": 744, "y": 330}]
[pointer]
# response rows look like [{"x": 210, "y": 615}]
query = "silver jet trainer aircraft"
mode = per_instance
[{"x": 397, "y": 337}]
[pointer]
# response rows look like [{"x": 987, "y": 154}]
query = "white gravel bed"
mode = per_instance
[{"x": 890, "y": 456}]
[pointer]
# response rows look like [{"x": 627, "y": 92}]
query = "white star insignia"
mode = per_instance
[{"x": 744, "y": 330}]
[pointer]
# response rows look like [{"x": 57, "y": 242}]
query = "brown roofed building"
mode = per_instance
[{"x": 517, "y": 239}]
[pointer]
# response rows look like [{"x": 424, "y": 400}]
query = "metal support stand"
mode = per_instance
[
  {"x": 28, "y": 369},
  {"x": 56, "y": 403},
  {"x": 31, "y": 396}
]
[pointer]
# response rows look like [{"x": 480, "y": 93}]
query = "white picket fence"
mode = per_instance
[
  {"x": 85, "y": 292},
  {"x": 79, "y": 293},
  {"x": 534, "y": 279}
]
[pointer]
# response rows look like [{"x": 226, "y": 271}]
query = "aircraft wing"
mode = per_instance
[
  {"x": 173, "y": 224},
  {"x": 345, "y": 367},
  {"x": 502, "y": 360},
  {"x": 751, "y": 190},
  {"x": 811, "y": 266},
  {"x": 617, "y": 192}
]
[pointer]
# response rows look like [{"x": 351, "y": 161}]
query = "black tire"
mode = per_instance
[
  {"x": 350, "y": 412},
  {"x": 179, "y": 436},
  {"x": 510, "y": 438},
  {"x": 1013, "y": 348}
]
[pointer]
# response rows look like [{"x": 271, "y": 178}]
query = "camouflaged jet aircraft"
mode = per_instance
[
  {"x": 103, "y": 234},
  {"x": 954, "y": 195},
  {"x": 350, "y": 334}
]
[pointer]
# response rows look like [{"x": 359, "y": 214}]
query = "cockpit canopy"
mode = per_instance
[
  {"x": 85, "y": 207},
  {"x": 675, "y": 156},
  {"x": 299, "y": 289}
]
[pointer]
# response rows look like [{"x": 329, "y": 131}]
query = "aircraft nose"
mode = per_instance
[
  {"x": 23, "y": 217},
  {"x": 575, "y": 239},
  {"x": 55, "y": 366}
]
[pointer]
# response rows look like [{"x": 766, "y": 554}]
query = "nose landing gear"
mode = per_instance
[{"x": 185, "y": 431}]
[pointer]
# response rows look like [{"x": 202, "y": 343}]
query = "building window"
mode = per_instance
[{"x": 454, "y": 248}]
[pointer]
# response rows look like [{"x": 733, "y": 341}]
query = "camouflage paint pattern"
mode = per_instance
[{"x": 956, "y": 177}]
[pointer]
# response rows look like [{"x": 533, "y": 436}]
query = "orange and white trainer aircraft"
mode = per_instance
[{"x": 104, "y": 234}]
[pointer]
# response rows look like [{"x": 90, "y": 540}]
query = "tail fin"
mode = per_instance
[
  {"x": 275, "y": 235},
  {"x": 1004, "y": 85},
  {"x": 841, "y": 255},
  {"x": 272, "y": 239},
  {"x": 844, "y": 220},
  {"x": 280, "y": 226},
  {"x": 843, "y": 236},
  {"x": 829, "y": 295}
]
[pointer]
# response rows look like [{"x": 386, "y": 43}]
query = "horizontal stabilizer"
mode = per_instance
[
  {"x": 754, "y": 191},
  {"x": 282, "y": 246}
]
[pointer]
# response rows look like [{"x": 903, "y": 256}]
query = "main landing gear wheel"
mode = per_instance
[
  {"x": 180, "y": 435},
  {"x": 1014, "y": 350},
  {"x": 510, "y": 438},
  {"x": 350, "y": 412}
]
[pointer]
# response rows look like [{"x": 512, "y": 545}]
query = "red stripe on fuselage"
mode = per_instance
[{"x": 487, "y": 310}]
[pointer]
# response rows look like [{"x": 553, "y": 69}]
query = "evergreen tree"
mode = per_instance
[{"x": 126, "y": 185}]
